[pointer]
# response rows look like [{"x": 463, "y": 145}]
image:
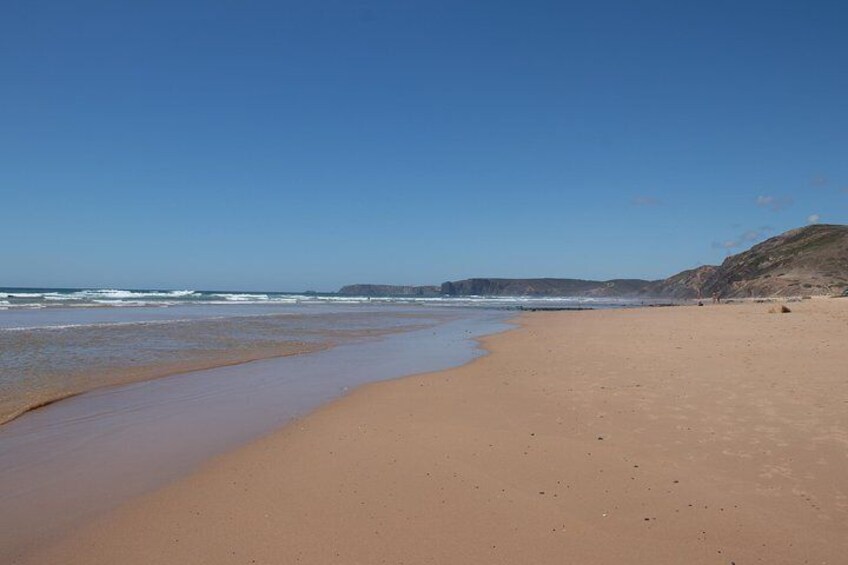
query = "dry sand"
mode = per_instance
[{"x": 669, "y": 435}]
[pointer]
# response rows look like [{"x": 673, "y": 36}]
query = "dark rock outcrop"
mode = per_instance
[
  {"x": 686, "y": 284},
  {"x": 389, "y": 290},
  {"x": 543, "y": 287}
]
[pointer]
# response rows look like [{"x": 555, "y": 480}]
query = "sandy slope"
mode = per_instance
[{"x": 672, "y": 435}]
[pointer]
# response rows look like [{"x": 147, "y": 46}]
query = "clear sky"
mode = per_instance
[{"x": 305, "y": 145}]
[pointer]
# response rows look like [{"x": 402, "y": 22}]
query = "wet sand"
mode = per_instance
[
  {"x": 673, "y": 435},
  {"x": 61, "y": 386}
]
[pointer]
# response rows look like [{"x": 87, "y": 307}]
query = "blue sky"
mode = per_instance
[{"x": 305, "y": 145}]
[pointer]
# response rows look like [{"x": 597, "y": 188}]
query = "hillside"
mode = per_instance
[{"x": 807, "y": 261}]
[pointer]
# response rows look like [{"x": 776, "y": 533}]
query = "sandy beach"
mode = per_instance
[{"x": 654, "y": 435}]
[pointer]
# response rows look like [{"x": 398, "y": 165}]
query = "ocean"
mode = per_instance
[{"x": 38, "y": 298}]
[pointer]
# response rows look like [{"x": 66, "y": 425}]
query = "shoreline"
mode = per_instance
[
  {"x": 222, "y": 358},
  {"x": 657, "y": 453},
  {"x": 73, "y": 461}
]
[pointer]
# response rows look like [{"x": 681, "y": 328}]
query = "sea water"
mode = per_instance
[{"x": 39, "y": 298}]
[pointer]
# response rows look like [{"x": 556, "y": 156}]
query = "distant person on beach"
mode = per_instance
[{"x": 716, "y": 298}]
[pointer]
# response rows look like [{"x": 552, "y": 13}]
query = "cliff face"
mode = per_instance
[
  {"x": 686, "y": 284},
  {"x": 389, "y": 290},
  {"x": 542, "y": 287},
  {"x": 812, "y": 260}
]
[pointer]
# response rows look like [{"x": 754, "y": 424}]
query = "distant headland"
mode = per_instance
[{"x": 811, "y": 260}]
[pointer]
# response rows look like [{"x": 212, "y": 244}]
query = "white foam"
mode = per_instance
[
  {"x": 106, "y": 297},
  {"x": 127, "y": 303},
  {"x": 181, "y": 293},
  {"x": 117, "y": 294},
  {"x": 54, "y": 296},
  {"x": 236, "y": 297}
]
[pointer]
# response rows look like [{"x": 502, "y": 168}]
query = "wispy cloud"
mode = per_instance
[
  {"x": 728, "y": 245},
  {"x": 818, "y": 181},
  {"x": 758, "y": 233},
  {"x": 773, "y": 203},
  {"x": 743, "y": 239},
  {"x": 813, "y": 219},
  {"x": 645, "y": 201}
]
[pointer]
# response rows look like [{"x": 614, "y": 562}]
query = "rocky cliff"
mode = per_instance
[
  {"x": 686, "y": 284},
  {"x": 543, "y": 287},
  {"x": 389, "y": 290}
]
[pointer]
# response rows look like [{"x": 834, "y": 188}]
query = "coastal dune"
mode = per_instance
[{"x": 653, "y": 435}]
